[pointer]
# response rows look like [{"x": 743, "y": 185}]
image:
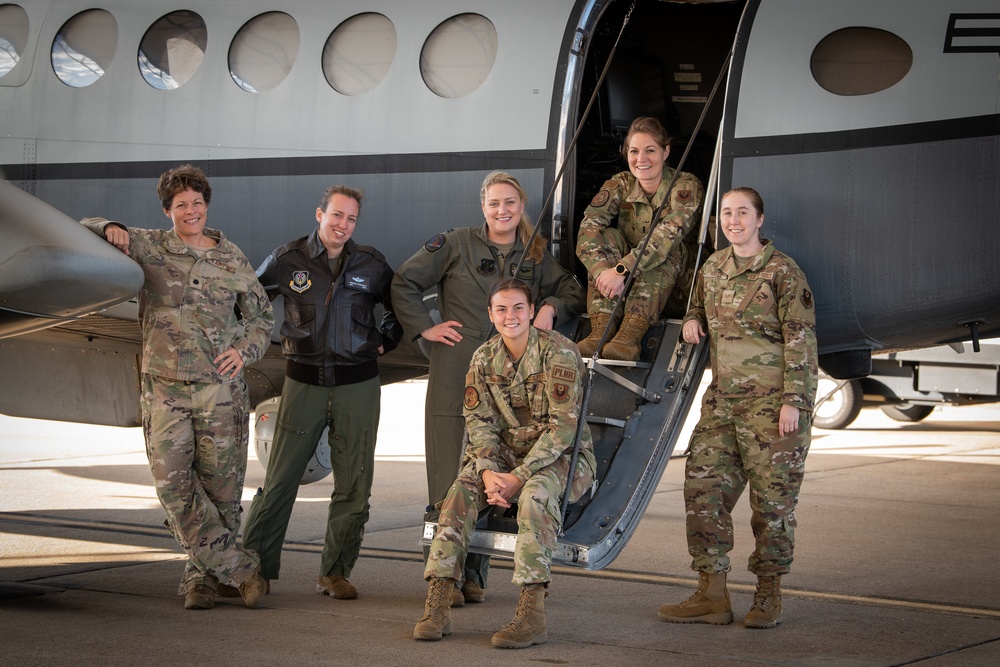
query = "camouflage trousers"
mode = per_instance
[
  {"x": 650, "y": 290},
  {"x": 196, "y": 441},
  {"x": 736, "y": 443},
  {"x": 538, "y": 521}
]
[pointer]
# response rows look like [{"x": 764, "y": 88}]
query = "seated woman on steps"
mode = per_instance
[{"x": 614, "y": 225}]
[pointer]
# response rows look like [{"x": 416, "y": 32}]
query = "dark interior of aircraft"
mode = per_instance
[{"x": 667, "y": 61}]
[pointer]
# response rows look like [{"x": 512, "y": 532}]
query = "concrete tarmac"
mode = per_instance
[{"x": 896, "y": 563}]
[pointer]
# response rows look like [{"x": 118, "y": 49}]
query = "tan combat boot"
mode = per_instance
[
  {"x": 199, "y": 597},
  {"x": 627, "y": 343},
  {"x": 528, "y": 626},
  {"x": 709, "y": 604},
  {"x": 598, "y": 322},
  {"x": 436, "y": 621},
  {"x": 473, "y": 592},
  {"x": 766, "y": 609},
  {"x": 253, "y": 589}
]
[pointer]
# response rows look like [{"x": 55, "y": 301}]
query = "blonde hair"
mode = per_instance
[{"x": 537, "y": 250}]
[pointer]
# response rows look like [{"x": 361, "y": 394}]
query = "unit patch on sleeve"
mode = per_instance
[
  {"x": 601, "y": 198},
  {"x": 471, "y": 398},
  {"x": 560, "y": 392},
  {"x": 435, "y": 243},
  {"x": 807, "y": 298}
]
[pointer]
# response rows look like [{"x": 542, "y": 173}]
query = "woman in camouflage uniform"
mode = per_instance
[
  {"x": 195, "y": 409},
  {"x": 756, "y": 415},
  {"x": 610, "y": 251},
  {"x": 522, "y": 406},
  {"x": 463, "y": 264}
]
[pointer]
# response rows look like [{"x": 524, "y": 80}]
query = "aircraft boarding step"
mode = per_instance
[{"x": 635, "y": 412}]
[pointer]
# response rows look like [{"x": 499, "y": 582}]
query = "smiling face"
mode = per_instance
[
  {"x": 189, "y": 213},
  {"x": 502, "y": 207},
  {"x": 511, "y": 313},
  {"x": 740, "y": 223},
  {"x": 646, "y": 158},
  {"x": 337, "y": 223}
]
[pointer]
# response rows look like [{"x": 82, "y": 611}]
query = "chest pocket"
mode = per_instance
[
  {"x": 535, "y": 387},
  {"x": 758, "y": 309},
  {"x": 365, "y": 337}
]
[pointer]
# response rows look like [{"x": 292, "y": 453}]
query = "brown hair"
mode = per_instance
[
  {"x": 646, "y": 125},
  {"x": 752, "y": 195},
  {"x": 511, "y": 284},
  {"x": 175, "y": 181},
  {"x": 537, "y": 250},
  {"x": 353, "y": 193}
]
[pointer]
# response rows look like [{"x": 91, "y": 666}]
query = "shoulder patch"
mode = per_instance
[
  {"x": 601, "y": 198},
  {"x": 435, "y": 243},
  {"x": 471, "y": 398},
  {"x": 807, "y": 298},
  {"x": 560, "y": 392},
  {"x": 683, "y": 196}
]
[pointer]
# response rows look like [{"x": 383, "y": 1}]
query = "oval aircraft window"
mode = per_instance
[
  {"x": 172, "y": 50},
  {"x": 860, "y": 61},
  {"x": 84, "y": 47},
  {"x": 359, "y": 53},
  {"x": 458, "y": 55},
  {"x": 13, "y": 36},
  {"x": 264, "y": 51}
]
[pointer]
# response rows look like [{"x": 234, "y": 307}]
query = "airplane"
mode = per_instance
[{"x": 870, "y": 127}]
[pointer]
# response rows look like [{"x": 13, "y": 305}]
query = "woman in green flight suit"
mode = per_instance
[{"x": 464, "y": 263}]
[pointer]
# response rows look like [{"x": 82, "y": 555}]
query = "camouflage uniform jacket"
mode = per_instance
[
  {"x": 622, "y": 196},
  {"x": 187, "y": 305},
  {"x": 522, "y": 418},
  {"x": 464, "y": 265},
  {"x": 761, "y": 324}
]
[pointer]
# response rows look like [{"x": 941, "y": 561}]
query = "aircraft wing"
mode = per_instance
[{"x": 54, "y": 270}]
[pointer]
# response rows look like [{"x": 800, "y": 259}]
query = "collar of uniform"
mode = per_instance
[
  {"x": 756, "y": 264},
  {"x": 174, "y": 244},
  {"x": 501, "y": 357},
  {"x": 637, "y": 196},
  {"x": 482, "y": 233},
  {"x": 316, "y": 247}
]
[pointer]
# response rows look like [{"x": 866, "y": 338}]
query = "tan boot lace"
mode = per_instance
[
  {"x": 765, "y": 589},
  {"x": 435, "y": 597}
]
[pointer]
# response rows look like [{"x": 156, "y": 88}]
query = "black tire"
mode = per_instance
[
  {"x": 907, "y": 412},
  {"x": 839, "y": 407}
]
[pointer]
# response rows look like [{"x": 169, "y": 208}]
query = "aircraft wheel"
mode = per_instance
[
  {"x": 837, "y": 404},
  {"x": 907, "y": 412},
  {"x": 267, "y": 416}
]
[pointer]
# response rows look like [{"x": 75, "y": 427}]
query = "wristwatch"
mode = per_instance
[{"x": 621, "y": 269}]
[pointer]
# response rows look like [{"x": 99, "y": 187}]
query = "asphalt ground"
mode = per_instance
[{"x": 896, "y": 563}]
